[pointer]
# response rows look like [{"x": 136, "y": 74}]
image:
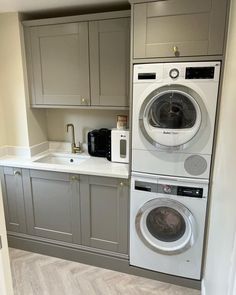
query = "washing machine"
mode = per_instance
[
  {"x": 167, "y": 224},
  {"x": 174, "y": 109}
]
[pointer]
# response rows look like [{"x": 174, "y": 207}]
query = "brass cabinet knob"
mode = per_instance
[
  {"x": 176, "y": 51},
  {"x": 74, "y": 177},
  {"x": 122, "y": 184},
  {"x": 84, "y": 101},
  {"x": 17, "y": 173}
]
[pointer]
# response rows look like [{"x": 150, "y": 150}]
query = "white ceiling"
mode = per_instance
[{"x": 39, "y": 5}]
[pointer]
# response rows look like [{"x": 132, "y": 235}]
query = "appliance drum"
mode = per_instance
[
  {"x": 170, "y": 116},
  {"x": 166, "y": 226}
]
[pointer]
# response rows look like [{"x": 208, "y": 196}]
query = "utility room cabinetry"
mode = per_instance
[
  {"x": 179, "y": 28},
  {"x": 109, "y": 62},
  {"x": 79, "y": 61},
  {"x": 52, "y": 201},
  {"x": 59, "y": 64},
  {"x": 104, "y": 215},
  {"x": 13, "y": 198},
  {"x": 81, "y": 211}
]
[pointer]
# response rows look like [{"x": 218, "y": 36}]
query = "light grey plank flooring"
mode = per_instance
[{"x": 35, "y": 274}]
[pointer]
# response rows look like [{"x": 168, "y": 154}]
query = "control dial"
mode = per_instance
[
  {"x": 167, "y": 189},
  {"x": 174, "y": 73}
]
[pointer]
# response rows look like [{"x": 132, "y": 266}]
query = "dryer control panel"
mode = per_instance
[{"x": 176, "y": 72}]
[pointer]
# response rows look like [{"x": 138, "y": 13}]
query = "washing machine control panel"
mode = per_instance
[{"x": 184, "y": 191}]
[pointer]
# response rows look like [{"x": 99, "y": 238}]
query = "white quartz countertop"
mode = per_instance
[{"x": 89, "y": 166}]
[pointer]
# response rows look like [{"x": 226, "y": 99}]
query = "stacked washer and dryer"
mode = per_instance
[{"x": 174, "y": 111}]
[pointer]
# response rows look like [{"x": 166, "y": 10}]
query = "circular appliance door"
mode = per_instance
[
  {"x": 166, "y": 226},
  {"x": 171, "y": 116}
]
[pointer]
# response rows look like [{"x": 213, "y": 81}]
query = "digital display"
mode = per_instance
[
  {"x": 190, "y": 192},
  {"x": 200, "y": 73},
  {"x": 147, "y": 76}
]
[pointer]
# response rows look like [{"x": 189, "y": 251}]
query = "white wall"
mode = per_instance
[
  {"x": 220, "y": 269},
  {"x": 84, "y": 121}
]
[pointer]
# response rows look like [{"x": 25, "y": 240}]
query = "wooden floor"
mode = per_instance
[{"x": 35, "y": 274}]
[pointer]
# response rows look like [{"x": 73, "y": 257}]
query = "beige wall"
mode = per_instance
[
  {"x": 84, "y": 120},
  {"x": 23, "y": 126},
  {"x": 220, "y": 272},
  {"x": 3, "y": 140},
  {"x": 11, "y": 81}
]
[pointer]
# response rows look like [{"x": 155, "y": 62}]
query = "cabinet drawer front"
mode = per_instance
[{"x": 60, "y": 63}]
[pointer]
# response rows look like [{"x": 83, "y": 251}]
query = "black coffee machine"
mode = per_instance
[{"x": 99, "y": 143}]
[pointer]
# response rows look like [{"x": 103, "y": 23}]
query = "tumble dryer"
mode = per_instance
[{"x": 174, "y": 108}]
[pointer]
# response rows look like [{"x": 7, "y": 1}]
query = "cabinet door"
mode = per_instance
[
  {"x": 13, "y": 197},
  {"x": 104, "y": 213},
  {"x": 60, "y": 64},
  {"x": 179, "y": 28},
  {"x": 52, "y": 205},
  {"x": 109, "y": 62}
]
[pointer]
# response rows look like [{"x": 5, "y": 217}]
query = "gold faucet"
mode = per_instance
[{"x": 74, "y": 149}]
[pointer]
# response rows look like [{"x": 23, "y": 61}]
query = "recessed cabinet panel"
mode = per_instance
[
  {"x": 109, "y": 62},
  {"x": 60, "y": 64},
  {"x": 53, "y": 209},
  {"x": 13, "y": 197},
  {"x": 176, "y": 28},
  {"x": 104, "y": 214}
]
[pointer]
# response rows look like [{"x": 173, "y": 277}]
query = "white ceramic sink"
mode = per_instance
[{"x": 62, "y": 159}]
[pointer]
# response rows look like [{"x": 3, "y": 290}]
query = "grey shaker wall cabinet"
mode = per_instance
[
  {"x": 52, "y": 202},
  {"x": 109, "y": 62},
  {"x": 13, "y": 196},
  {"x": 69, "y": 60},
  {"x": 104, "y": 215},
  {"x": 175, "y": 28},
  {"x": 59, "y": 61}
]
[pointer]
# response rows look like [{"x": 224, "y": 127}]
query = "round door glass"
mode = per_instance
[
  {"x": 166, "y": 224},
  {"x": 172, "y": 110}
]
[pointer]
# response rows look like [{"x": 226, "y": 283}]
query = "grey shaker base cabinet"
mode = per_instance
[
  {"x": 67, "y": 208},
  {"x": 52, "y": 203},
  {"x": 13, "y": 198},
  {"x": 104, "y": 215}
]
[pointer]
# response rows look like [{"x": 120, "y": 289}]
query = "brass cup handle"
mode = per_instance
[{"x": 17, "y": 173}]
